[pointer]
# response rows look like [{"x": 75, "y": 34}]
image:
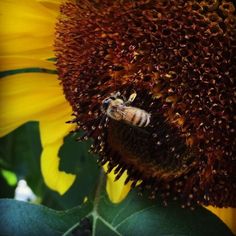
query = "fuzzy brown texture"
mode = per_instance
[{"x": 179, "y": 56}]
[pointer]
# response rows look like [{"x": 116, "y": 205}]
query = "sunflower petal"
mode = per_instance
[
  {"x": 27, "y": 28},
  {"x": 52, "y": 5},
  {"x": 38, "y": 47},
  {"x": 29, "y": 97},
  {"x": 52, "y": 134},
  {"x": 14, "y": 63},
  {"x": 228, "y": 215},
  {"x": 117, "y": 190},
  {"x": 25, "y": 17}
]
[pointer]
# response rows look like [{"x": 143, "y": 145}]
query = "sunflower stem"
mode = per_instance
[{"x": 93, "y": 212}]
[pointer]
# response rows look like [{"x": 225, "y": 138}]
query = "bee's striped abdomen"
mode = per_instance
[{"x": 139, "y": 117}]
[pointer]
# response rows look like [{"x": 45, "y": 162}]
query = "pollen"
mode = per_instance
[{"x": 180, "y": 58}]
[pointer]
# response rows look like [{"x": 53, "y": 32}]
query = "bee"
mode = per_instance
[{"x": 118, "y": 109}]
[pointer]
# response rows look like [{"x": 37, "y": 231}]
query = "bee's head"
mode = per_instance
[
  {"x": 114, "y": 99},
  {"x": 105, "y": 103}
]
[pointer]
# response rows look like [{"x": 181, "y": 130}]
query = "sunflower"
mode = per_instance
[{"x": 27, "y": 44}]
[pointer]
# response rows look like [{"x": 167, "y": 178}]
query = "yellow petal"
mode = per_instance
[
  {"x": 14, "y": 63},
  {"x": 25, "y": 17},
  {"x": 37, "y": 47},
  {"x": 228, "y": 215},
  {"x": 52, "y": 134},
  {"x": 116, "y": 190},
  {"x": 28, "y": 97},
  {"x": 56, "y": 2},
  {"x": 27, "y": 28},
  {"x": 52, "y": 5}
]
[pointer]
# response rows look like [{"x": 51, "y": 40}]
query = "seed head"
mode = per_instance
[{"x": 180, "y": 58}]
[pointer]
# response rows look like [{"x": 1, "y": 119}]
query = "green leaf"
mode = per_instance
[
  {"x": 75, "y": 158},
  {"x": 20, "y": 153},
  {"x": 136, "y": 215},
  {"x": 20, "y": 218},
  {"x": 6, "y": 190},
  {"x": 10, "y": 177}
]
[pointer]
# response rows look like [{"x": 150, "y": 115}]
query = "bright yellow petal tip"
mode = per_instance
[
  {"x": 116, "y": 190},
  {"x": 227, "y": 215},
  {"x": 52, "y": 132},
  {"x": 55, "y": 179}
]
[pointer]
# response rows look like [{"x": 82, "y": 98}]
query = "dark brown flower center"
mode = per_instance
[{"x": 179, "y": 57}]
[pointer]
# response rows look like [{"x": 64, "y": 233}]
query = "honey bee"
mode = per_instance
[{"x": 118, "y": 109}]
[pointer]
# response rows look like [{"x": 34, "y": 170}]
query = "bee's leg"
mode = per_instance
[
  {"x": 118, "y": 94},
  {"x": 131, "y": 98},
  {"x": 115, "y": 95}
]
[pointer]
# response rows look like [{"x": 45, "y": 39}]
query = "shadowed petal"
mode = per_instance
[{"x": 116, "y": 190}]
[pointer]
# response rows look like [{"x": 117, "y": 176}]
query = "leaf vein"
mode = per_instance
[{"x": 135, "y": 213}]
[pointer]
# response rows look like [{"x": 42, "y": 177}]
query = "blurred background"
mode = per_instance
[{"x": 20, "y": 174}]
